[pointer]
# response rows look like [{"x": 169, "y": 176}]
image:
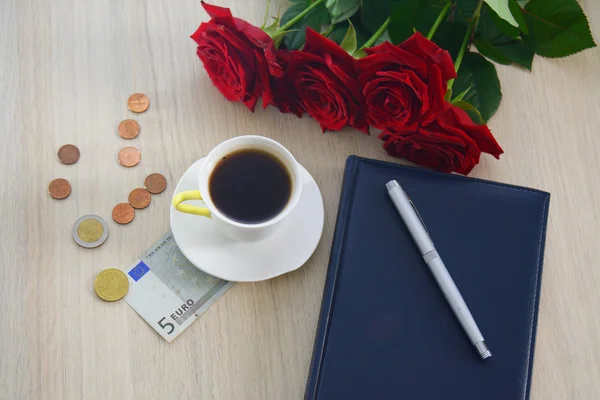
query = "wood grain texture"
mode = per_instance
[{"x": 66, "y": 71}]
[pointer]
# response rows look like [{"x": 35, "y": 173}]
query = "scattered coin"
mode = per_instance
[
  {"x": 139, "y": 198},
  {"x": 138, "y": 102},
  {"x": 128, "y": 129},
  {"x": 111, "y": 285},
  {"x": 123, "y": 213},
  {"x": 90, "y": 231},
  {"x": 155, "y": 183},
  {"x": 59, "y": 188},
  {"x": 68, "y": 154},
  {"x": 129, "y": 157}
]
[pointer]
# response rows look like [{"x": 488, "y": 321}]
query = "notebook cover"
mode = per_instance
[{"x": 385, "y": 329}]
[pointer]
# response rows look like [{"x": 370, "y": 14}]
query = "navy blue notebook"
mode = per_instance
[{"x": 385, "y": 329}]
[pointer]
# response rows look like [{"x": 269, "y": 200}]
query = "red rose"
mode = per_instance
[
  {"x": 450, "y": 142},
  {"x": 238, "y": 57},
  {"x": 285, "y": 97},
  {"x": 404, "y": 85},
  {"x": 324, "y": 76}
]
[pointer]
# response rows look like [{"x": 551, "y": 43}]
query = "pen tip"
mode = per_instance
[{"x": 483, "y": 350}]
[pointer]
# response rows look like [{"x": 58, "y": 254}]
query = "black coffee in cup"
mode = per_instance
[{"x": 250, "y": 186}]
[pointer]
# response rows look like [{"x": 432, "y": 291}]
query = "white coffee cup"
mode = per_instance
[{"x": 235, "y": 230}]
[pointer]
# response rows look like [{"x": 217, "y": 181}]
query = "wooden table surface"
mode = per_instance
[{"x": 66, "y": 71}]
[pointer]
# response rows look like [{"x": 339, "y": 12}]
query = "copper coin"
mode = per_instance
[
  {"x": 138, "y": 102},
  {"x": 68, "y": 154},
  {"x": 123, "y": 213},
  {"x": 155, "y": 183},
  {"x": 139, "y": 198},
  {"x": 128, "y": 129},
  {"x": 129, "y": 157},
  {"x": 59, "y": 188}
]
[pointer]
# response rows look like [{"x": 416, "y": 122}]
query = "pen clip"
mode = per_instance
[{"x": 418, "y": 215}]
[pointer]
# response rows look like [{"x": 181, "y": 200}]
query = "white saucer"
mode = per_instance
[{"x": 286, "y": 250}]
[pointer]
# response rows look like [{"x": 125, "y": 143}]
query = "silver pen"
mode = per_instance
[{"x": 417, "y": 230}]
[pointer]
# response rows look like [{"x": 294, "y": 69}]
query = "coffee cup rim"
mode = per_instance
[{"x": 250, "y": 141}]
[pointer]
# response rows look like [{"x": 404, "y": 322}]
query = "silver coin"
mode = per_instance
[{"x": 87, "y": 233}]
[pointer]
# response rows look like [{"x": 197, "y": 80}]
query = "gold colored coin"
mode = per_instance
[
  {"x": 90, "y": 230},
  {"x": 155, "y": 183},
  {"x": 111, "y": 285},
  {"x": 129, "y": 157},
  {"x": 138, "y": 102},
  {"x": 129, "y": 129},
  {"x": 68, "y": 154},
  {"x": 139, "y": 198}
]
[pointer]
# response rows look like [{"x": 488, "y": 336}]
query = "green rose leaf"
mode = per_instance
[
  {"x": 410, "y": 15},
  {"x": 374, "y": 12},
  {"x": 517, "y": 12},
  {"x": 471, "y": 110},
  {"x": 339, "y": 32},
  {"x": 489, "y": 16},
  {"x": 513, "y": 52},
  {"x": 504, "y": 27},
  {"x": 558, "y": 28},
  {"x": 501, "y": 42},
  {"x": 460, "y": 96},
  {"x": 480, "y": 75},
  {"x": 491, "y": 26},
  {"x": 341, "y": 10},
  {"x": 449, "y": 36},
  {"x": 349, "y": 41},
  {"x": 503, "y": 10},
  {"x": 315, "y": 19},
  {"x": 488, "y": 50},
  {"x": 362, "y": 33},
  {"x": 518, "y": 53},
  {"x": 402, "y": 21}
]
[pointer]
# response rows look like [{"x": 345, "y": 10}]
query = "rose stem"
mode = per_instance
[
  {"x": 376, "y": 35},
  {"x": 467, "y": 39},
  {"x": 298, "y": 17},
  {"x": 439, "y": 20}
]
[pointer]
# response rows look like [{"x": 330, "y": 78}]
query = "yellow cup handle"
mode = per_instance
[{"x": 188, "y": 208}]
